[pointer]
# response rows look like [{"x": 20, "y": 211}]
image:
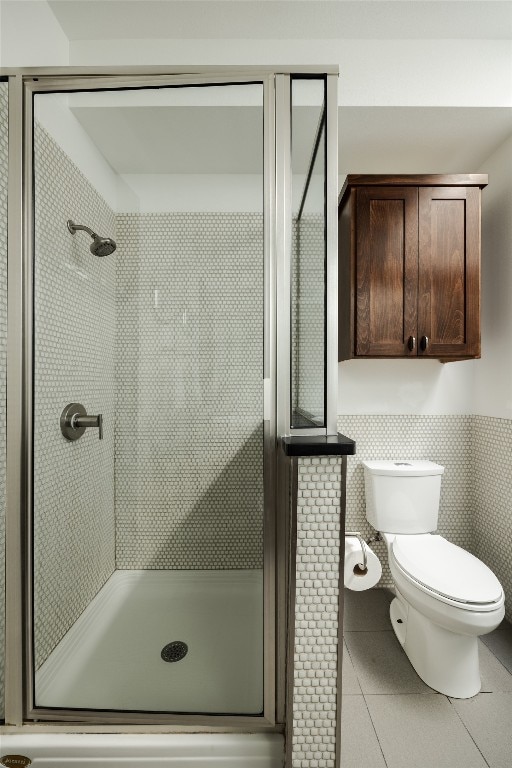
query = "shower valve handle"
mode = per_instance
[
  {"x": 74, "y": 420},
  {"x": 88, "y": 421}
]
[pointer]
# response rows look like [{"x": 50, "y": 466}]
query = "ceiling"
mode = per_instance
[
  {"x": 227, "y": 139},
  {"x": 287, "y": 19},
  {"x": 179, "y": 140},
  {"x": 205, "y": 138},
  {"x": 419, "y": 139}
]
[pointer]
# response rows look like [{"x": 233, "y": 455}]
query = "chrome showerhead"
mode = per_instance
[{"x": 100, "y": 246}]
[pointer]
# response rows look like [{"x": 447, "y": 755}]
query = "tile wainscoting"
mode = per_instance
[
  {"x": 491, "y": 486},
  {"x": 316, "y": 612}
]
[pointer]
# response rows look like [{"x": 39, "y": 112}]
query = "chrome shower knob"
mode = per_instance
[{"x": 74, "y": 420}]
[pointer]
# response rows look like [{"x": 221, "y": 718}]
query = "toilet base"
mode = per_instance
[{"x": 445, "y": 661}]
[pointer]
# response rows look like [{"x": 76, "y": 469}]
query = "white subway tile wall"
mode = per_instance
[
  {"x": 74, "y": 310},
  {"x": 316, "y": 617},
  {"x": 189, "y": 415},
  {"x": 3, "y": 362}
]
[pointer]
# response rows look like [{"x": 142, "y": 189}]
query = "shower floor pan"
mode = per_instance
[{"x": 111, "y": 656}]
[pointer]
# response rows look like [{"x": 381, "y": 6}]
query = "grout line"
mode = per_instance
[
  {"x": 509, "y": 671},
  {"x": 348, "y": 631},
  {"x": 467, "y": 730},
  {"x": 430, "y": 692},
  {"x": 417, "y": 693},
  {"x": 346, "y": 648},
  {"x": 375, "y": 731}
]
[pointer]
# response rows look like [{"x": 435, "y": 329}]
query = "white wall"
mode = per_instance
[
  {"x": 493, "y": 373},
  {"x": 30, "y": 35},
  {"x": 164, "y": 192},
  {"x": 482, "y": 387},
  {"x": 373, "y": 72},
  {"x": 405, "y": 386},
  {"x": 400, "y": 72},
  {"x": 52, "y": 111},
  {"x": 376, "y": 72}
]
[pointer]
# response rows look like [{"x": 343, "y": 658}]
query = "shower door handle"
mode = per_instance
[{"x": 74, "y": 420}]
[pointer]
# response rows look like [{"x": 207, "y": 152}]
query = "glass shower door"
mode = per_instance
[
  {"x": 309, "y": 252},
  {"x": 148, "y": 450}
]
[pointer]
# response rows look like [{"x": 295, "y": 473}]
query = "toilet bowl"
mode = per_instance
[{"x": 445, "y": 597}]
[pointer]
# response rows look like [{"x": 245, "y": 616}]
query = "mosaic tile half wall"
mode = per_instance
[
  {"x": 315, "y": 660},
  {"x": 491, "y": 454}
]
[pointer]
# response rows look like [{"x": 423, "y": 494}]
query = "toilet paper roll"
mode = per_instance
[{"x": 355, "y": 577}]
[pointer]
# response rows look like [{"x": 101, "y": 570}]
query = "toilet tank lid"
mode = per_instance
[{"x": 403, "y": 467}]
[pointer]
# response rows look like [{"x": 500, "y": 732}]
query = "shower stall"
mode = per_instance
[{"x": 169, "y": 322}]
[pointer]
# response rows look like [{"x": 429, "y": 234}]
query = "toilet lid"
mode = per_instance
[{"x": 444, "y": 568}]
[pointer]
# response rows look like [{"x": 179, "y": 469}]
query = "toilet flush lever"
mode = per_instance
[{"x": 74, "y": 420}]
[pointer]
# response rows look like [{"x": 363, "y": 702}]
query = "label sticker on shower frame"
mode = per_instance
[{"x": 15, "y": 761}]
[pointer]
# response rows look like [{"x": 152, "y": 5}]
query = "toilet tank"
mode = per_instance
[{"x": 402, "y": 496}]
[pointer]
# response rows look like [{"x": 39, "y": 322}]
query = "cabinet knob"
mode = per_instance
[
  {"x": 411, "y": 343},
  {"x": 424, "y": 343}
]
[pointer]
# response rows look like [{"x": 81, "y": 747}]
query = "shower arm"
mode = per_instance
[{"x": 75, "y": 227}]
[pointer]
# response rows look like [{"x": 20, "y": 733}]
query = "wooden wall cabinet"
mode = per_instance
[{"x": 409, "y": 266}]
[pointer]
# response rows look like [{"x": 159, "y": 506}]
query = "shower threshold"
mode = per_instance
[{"x": 112, "y": 657}]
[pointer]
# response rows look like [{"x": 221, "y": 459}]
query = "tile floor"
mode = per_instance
[{"x": 391, "y": 719}]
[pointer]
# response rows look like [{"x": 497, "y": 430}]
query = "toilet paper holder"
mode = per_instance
[{"x": 357, "y": 535}]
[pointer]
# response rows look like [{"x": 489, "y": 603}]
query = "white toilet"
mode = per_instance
[{"x": 445, "y": 597}]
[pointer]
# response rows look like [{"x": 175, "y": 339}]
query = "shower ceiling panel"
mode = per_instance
[{"x": 172, "y": 139}]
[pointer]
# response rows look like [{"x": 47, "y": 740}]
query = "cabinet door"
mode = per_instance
[
  {"x": 449, "y": 272},
  {"x": 386, "y": 271}
]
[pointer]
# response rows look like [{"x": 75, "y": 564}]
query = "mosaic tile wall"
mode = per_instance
[
  {"x": 189, "y": 442},
  {"x": 74, "y": 536},
  {"x": 316, "y": 617},
  {"x": 3, "y": 365},
  {"x": 308, "y": 311},
  {"x": 443, "y": 439},
  {"x": 491, "y": 441}
]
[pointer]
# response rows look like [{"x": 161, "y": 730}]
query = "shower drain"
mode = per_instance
[{"x": 175, "y": 651}]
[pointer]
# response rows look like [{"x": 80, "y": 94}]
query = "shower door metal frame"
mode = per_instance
[
  {"x": 19, "y": 710},
  {"x": 284, "y": 248},
  {"x": 19, "y": 705}
]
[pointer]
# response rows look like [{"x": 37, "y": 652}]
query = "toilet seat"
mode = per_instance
[{"x": 446, "y": 572}]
